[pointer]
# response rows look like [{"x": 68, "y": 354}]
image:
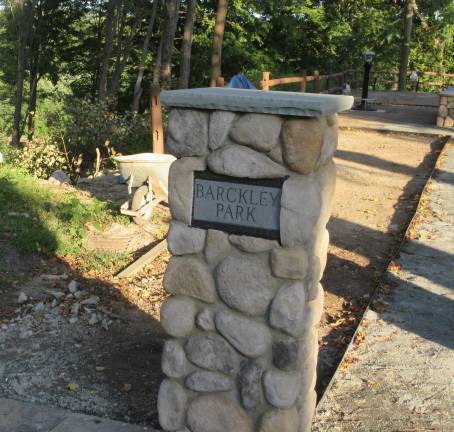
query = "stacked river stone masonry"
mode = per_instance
[
  {"x": 446, "y": 109},
  {"x": 243, "y": 310}
]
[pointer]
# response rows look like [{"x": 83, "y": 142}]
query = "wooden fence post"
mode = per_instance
[
  {"x": 220, "y": 82},
  {"x": 303, "y": 82},
  {"x": 264, "y": 84},
  {"x": 316, "y": 81},
  {"x": 157, "y": 129}
]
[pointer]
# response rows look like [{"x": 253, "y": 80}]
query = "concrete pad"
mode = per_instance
[
  {"x": 16, "y": 416},
  {"x": 399, "y": 375}
]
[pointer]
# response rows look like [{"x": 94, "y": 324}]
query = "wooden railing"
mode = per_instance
[
  {"x": 328, "y": 83},
  {"x": 427, "y": 80}
]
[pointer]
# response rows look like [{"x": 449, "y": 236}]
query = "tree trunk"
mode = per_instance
[
  {"x": 157, "y": 64},
  {"x": 32, "y": 103},
  {"x": 186, "y": 46},
  {"x": 122, "y": 59},
  {"x": 409, "y": 10},
  {"x": 146, "y": 42},
  {"x": 216, "y": 56},
  {"x": 110, "y": 31},
  {"x": 22, "y": 35},
  {"x": 168, "y": 37}
]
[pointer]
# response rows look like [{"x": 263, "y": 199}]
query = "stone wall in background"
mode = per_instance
[
  {"x": 243, "y": 311},
  {"x": 446, "y": 110}
]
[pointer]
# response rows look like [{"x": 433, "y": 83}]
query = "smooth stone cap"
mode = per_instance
[{"x": 257, "y": 101}]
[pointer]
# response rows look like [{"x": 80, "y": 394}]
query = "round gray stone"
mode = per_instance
[
  {"x": 206, "y": 381},
  {"x": 183, "y": 239},
  {"x": 177, "y": 316},
  {"x": 174, "y": 363},
  {"x": 287, "y": 309},
  {"x": 211, "y": 352},
  {"x": 281, "y": 388},
  {"x": 220, "y": 122},
  {"x": 172, "y": 403},
  {"x": 187, "y": 132},
  {"x": 250, "y": 383},
  {"x": 239, "y": 161},
  {"x": 250, "y": 338},
  {"x": 259, "y": 131},
  {"x": 213, "y": 413},
  {"x": 189, "y": 276},
  {"x": 245, "y": 284}
]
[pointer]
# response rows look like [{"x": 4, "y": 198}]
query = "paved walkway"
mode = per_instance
[
  {"x": 399, "y": 373},
  {"x": 25, "y": 417}
]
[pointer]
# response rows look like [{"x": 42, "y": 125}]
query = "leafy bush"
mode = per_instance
[{"x": 39, "y": 157}]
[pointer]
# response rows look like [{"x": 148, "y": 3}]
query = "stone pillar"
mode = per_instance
[
  {"x": 244, "y": 309},
  {"x": 445, "y": 116}
]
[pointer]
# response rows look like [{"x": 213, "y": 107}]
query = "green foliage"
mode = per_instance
[
  {"x": 40, "y": 218},
  {"x": 39, "y": 157}
]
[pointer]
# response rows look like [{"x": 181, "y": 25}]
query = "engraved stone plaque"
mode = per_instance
[{"x": 237, "y": 205}]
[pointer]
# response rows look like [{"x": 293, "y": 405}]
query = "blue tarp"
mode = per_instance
[{"x": 241, "y": 82}]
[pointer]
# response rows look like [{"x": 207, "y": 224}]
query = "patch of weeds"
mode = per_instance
[{"x": 40, "y": 218}]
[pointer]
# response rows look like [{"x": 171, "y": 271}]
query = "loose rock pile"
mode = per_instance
[{"x": 244, "y": 310}]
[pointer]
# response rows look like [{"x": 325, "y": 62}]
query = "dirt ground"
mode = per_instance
[{"x": 103, "y": 356}]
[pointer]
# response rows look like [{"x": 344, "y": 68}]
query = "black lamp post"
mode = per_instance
[{"x": 368, "y": 56}]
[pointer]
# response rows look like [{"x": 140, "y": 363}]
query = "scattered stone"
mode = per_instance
[
  {"x": 59, "y": 177},
  {"x": 78, "y": 294},
  {"x": 214, "y": 413},
  {"x": 105, "y": 324},
  {"x": 217, "y": 246},
  {"x": 187, "y": 133},
  {"x": 220, "y": 122},
  {"x": 281, "y": 388},
  {"x": 183, "y": 239},
  {"x": 72, "y": 286},
  {"x": 252, "y": 244},
  {"x": 73, "y": 320},
  {"x": 259, "y": 131},
  {"x": 302, "y": 141},
  {"x": 211, "y": 352},
  {"x": 181, "y": 181},
  {"x": 300, "y": 210},
  {"x": 280, "y": 420},
  {"x": 205, "y": 381},
  {"x": 91, "y": 301},
  {"x": 189, "y": 276},
  {"x": 23, "y": 298},
  {"x": 249, "y": 337},
  {"x": 174, "y": 363},
  {"x": 290, "y": 263},
  {"x": 75, "y": 307},
  {"x": 287, "y": 309},
  {"x": 245, "y": 284},
  {"x": 93, "y": 319},
  {"x": 39, "y": 307},
  {"x": 250, "y": 383},
  {"x": 126, "y": 387},
  {"x": 239, "y": 161},
  {"x": 172, "y": 402},
  {"x": 285, "y": 353},
  {"x": 205, "y": 320},
  {"x": 177, "y": 316}
]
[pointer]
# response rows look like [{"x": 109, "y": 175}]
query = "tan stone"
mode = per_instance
[
  {"x": 280, "y": 421},
  {"x": 302, "y": 141},
  {"x": 178, "y": 315},
  {"x": 451, "y": 104},
  {"x": 306, "y": 412},
  {"x": 217, "y": 414},
  {"x": 449, "y": 122},
  {"x": 443, "y": 100},
  {"x": 217, "y": 246},
  {"x": 313, "y": 310},
  {"x": 440, "y": 121},
  {"x": 189, "y": 276},
  {"x": 442, "y": 111},
  {"x": 276, "y": 155},
  {"x": 290, "y": 263}
]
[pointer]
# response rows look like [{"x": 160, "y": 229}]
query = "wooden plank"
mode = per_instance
[
  {"x": 140, "y": 263},
  {"x": 157, "y": 129},
  {"x": 265, "y": 83}
]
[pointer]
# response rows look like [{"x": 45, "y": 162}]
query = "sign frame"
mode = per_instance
[{"x": 276, "y": 183}]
